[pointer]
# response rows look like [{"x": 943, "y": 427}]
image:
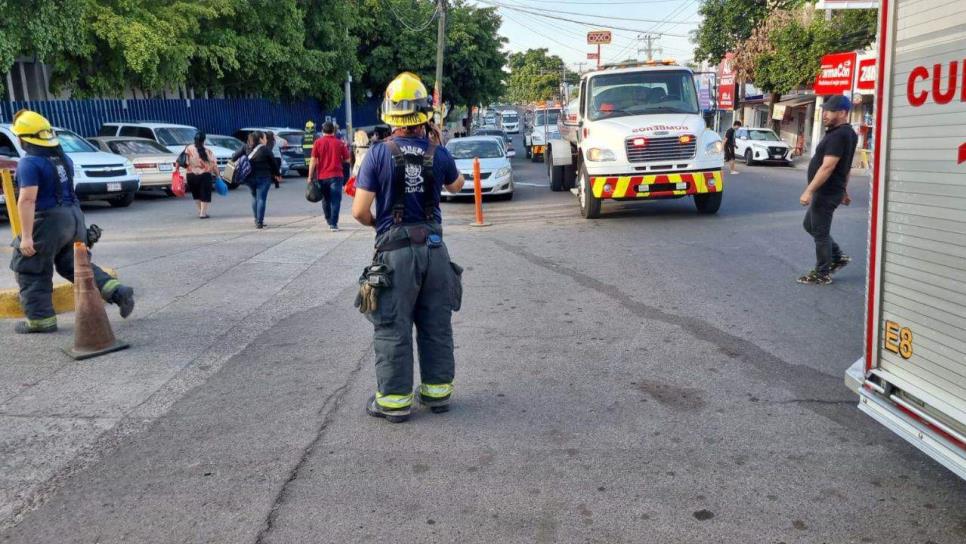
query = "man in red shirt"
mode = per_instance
[{"x": 325, "y": 168}]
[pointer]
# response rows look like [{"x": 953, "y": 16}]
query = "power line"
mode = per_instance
[
  {"x": 568, "y": 46},
  {"x": 404, "y": 23},
  {"x": 591, "y": 15},
  {"x": 583, "y": 23}
]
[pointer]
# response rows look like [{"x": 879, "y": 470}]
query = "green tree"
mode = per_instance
[
  {"x": 399, "y": 35},
  {"x": 535, "y": 75},
  {"x": 46, "y": 31},
  {"x": 725, "y": 24}
]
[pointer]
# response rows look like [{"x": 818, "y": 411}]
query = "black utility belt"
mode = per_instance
[{"x": 418, "y": 236}]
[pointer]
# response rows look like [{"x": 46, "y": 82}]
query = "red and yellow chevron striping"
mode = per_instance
[{"x": 657, "y": 185}]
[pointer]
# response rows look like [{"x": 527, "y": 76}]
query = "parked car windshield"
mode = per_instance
[
  {"x": 175, "y": 135},
  {"x": 763, "y": 135},
  {"x": 292, "y": 138},
  {"x": 73, "y": 143},
  {"x": 137, "y": 147},
  {"x": 484, "y": 149},
  {"x": 233, "y": 144},
  {"x": 642, "y": 93},
  {"x": 544, "y": 118}
]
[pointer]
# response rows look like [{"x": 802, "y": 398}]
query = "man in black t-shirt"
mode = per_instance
[{"x": 828, "y": 175}]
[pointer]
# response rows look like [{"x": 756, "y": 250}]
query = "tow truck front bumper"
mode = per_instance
[{"x": 668, "y": 185}]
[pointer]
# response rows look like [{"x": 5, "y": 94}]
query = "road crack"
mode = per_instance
[{"x": 327, "y": 413}]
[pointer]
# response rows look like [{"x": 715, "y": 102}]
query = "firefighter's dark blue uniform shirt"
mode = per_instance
[
  {"x": 376, "y": 176},
  {"x": 36, "y": 170}
]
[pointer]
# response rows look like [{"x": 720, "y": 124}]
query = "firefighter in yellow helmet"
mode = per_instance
[
  {"x": 308, "y": 139},
  {"x": 52, "y": 221},
  {"x": 411, "y": 281}
]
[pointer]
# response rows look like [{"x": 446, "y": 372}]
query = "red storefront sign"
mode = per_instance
[
  {"x": 593, "y": 56},
  {"x": 836, "y": 73},
  {"x": 726, "y": 83},
  {"x": 866, "y": 75}
]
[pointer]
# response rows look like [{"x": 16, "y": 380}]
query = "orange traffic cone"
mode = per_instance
[{"x": 92, "y": 330}]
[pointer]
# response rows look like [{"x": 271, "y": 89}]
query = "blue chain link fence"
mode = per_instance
[{"x": 214, "y": 116}]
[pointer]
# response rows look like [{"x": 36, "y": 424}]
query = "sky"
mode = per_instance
[{"x": 673, "y": 20}]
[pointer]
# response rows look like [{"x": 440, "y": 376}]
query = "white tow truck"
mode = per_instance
[
  {"x": 636, "y": 133},
  {"x": 543, "y": 128},
  {"x": 912, "y": 377}
]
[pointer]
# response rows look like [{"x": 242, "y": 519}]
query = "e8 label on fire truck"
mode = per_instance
[{"x": 898, "y": 339}]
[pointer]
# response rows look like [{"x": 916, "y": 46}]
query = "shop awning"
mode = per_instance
[{"x": 797, "y": 100}]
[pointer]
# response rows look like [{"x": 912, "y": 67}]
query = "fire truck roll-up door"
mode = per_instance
[{"x": 913, "y": 377}]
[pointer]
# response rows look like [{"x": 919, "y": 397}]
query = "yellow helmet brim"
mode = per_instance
[
  {"x": 42, "y": 142},
  {"x": 409, "y": 120}
]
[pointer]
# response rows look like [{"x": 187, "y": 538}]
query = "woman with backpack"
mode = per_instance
[
  {"x": 202, "y": 170},
  {"x": 264, "y": 171}
]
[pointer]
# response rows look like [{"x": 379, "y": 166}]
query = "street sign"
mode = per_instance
[
  {"x": 599, "y": 37},
  {"x": 593, "y": 56},
  {"x": 836, "y": 73}
]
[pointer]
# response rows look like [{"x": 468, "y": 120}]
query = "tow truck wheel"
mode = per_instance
[
  {"x": 708, "y": 203},
  {"x": 589, "y": 204},
  {"x": 569, "y": 177}
]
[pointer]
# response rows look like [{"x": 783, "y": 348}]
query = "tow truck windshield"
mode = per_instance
[
  {"x": 543, "y": 118},
  {"x": 642, "y": 93}
]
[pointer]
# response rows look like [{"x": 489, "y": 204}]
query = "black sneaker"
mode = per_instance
[
  {"x": 840, "y": 263},
  {"x": 25, "y": 327},
  {"x": 124, "y": 298},
  {"x": 815, "y": 278},
  {"x": 392, "y": 416}
]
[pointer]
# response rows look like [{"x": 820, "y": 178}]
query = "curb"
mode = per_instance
[{"x": 63, "y": 299}]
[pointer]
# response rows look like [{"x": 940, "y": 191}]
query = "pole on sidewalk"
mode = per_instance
[
  {"x": 440, "y": 48},
  {"x": 478, "y": 195},
  {"x": 348, "y": 107},
  {"x": 11, "y": 198}
]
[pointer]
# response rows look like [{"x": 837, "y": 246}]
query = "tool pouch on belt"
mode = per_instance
[
  {"x": 375, "y": 279},
  {"x": 457, "y": 289}
]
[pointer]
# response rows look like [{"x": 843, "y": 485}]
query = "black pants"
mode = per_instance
[
  {"x": 55, "y": 231},
  {"x": 818, "y": 223},
  {"x": 200, "y": 186}
]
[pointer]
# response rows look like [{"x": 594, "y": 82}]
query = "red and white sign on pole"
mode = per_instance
[
  {"x": 865, "y": 79},
  {"x": 836, "y": 74},
  {"x": 726, "y": 83},
  {"x": 599, "y": 37},
  {"x": 593, "y": 56}
]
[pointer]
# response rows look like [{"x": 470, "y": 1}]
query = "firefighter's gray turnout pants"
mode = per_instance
[
  {"x": 55, "y": 231},
  {"x": 426, "y": 288}
]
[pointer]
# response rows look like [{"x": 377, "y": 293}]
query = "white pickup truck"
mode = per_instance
[
  {"x": 912, "y": 377},
  {"x": 543, "y": 128},
  {"x": 636, "y": 133}
]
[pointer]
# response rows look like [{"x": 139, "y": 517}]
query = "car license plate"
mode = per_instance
[
  {"x": 113, "y": 187},
  {"x": 165, "y": 167}
]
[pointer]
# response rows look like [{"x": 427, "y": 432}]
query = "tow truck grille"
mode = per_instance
[{"x": 660, "y": 149}]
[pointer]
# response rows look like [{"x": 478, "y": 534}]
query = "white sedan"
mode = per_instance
[
  {"x": 496, "y": 175},
  {"x": 761, "y": 145}
]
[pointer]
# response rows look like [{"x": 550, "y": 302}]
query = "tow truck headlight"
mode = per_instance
[
  {"x": 503, "y": 172},
  {"x": 714, "y": 148},
  {"x": 599, "y": 154}
]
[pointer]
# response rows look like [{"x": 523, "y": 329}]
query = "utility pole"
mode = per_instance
[
  {"x": 649, "y": 48},
  {"x": 348, "y": 107},
  {"x": 440, "y": 47},
  {"x": 580, "y": 67}
]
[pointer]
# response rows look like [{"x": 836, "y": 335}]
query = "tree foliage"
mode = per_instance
[
  {"x": 534, "y": 76},
  {"x": 283, "y": 49},
  {"x": 785, "y": 52}
]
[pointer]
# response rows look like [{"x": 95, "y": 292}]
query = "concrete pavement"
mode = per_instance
[{"x": 650, "y": 376}]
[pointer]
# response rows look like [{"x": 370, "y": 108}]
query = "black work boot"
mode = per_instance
[
  {"x": 39, "y": 326},
  {"x": 398, "y": 415},
  {"x": 436, "y": 406},
  {"x": 123, "y": 296}
]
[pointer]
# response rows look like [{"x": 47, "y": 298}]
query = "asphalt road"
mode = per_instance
[{"x": 649, "y": 376}]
